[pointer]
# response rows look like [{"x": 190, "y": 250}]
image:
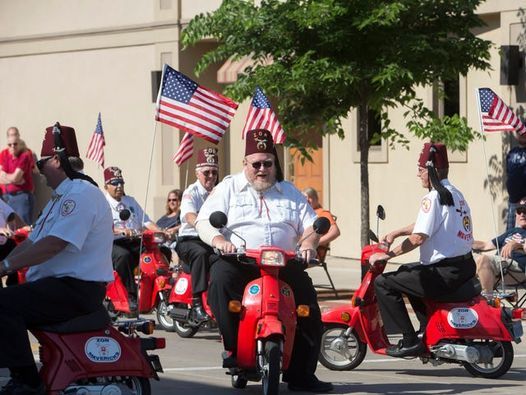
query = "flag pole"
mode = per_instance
[
  {"x": 503, "y": 286},
  {"x": 187, "y": 170}
]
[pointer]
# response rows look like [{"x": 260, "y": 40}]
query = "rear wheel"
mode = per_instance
[
  {"x": 185, "y": 330},
  {"x": 271, "y": 368},
  {"x": 500, "y": 363},
  {"x": 164, "y": 319},
  {"x": 339, "y": 351},
  {"x": 238, "y": 381}
]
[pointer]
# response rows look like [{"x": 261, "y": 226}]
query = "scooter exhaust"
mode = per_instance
[{"x": 459, "y": 352}]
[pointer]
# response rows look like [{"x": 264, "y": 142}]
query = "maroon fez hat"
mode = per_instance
[
  {"x": 434, "y": 154},
  {"x": 112, "y": 173},
  {"x": 66, "y": 141},
  {"x": 207, "y": 157},
  {"x": 259, "y": 141}
]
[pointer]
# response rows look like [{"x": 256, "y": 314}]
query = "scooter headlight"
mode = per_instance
[{"x": 272, "y": 258}]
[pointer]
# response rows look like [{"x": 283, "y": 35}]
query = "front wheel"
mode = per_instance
[
  {"x": 163, "y": 318},
  {"x": 339, "y": 351},
  {"x": 500, "y": 363},
  {"x": 184, "y": 329},
  {"x": 271, "y": 368}
]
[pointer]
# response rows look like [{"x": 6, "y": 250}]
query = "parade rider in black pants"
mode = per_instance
[
  {"x": 264, "y": 210},
  {"x": 443, "y": 232},
  {"x": 69, "y": 255}
]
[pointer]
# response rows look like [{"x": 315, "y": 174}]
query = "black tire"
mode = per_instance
[
  {"x": 238, "y": 381},
  {"x": 271, "y": 368},
  {"x": 163, "y": 318},
  {"x": 184, "y": 330},
  {"x": 141, "y": 385},
  {"x": 136, "y": 385},
  {"x": 504, "y": 357},
  {"x": 338, "y": 352}
]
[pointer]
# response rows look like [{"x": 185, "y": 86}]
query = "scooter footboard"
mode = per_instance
[{"x": 67, "y": 358}]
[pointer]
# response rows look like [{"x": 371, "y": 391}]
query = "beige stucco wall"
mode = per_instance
[{"x": 67, "y": 60}]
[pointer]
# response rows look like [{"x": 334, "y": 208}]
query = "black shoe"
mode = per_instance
[
  {"x": 199, "y": 314},
  {"x": 14, "y": 387},
  {"x": 403, "y": 349},
  {"x": 314, "y": 385},
  {"x": 229, "y": 359}
]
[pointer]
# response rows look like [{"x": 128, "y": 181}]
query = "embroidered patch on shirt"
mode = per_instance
[
  {"x": 67, "y": 207},
  {"x": 426, "y": 205},
  {"x": 466, "y": 221}
]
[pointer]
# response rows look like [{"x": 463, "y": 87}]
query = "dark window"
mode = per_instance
[{"x": 451, "y": 97}]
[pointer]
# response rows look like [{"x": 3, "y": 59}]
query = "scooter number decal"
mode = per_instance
[
  {"x": 253, "y": 290},
  {"x": 462, "y": 318},
  {"x": 102, "y": 350},
  {"x": 181, "y": 286}
]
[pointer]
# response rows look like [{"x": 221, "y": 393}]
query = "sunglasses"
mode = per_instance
[
  {"x": 42, "y": 162},
  {"x": 116, "y": 183},
  {"x": 265, "y": 163},
  {"x": 208, "y": 173},
  {"x": 521, "y": 210},
  {"x": 12, "y": 144},
  {"x": 173, "y": 200}
]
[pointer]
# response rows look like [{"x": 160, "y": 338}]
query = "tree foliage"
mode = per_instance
[{"x": 331, "y": 55}]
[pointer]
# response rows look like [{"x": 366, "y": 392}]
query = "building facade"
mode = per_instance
[{"x": 68, "y": 60}]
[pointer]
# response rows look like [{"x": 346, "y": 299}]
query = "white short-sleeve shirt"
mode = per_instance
[
  {"x": 136, "y": 213},
  {"x": 193, "y": 199},
  {"x": 79, "y": 215},
  {"x": 449, "y": 228},
  {"x": 277, "y": 217}
]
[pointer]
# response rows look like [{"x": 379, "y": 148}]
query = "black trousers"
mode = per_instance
[
  {"x": 42, "y": 302},
  {"x": 196, "y": 254},
  {"x": 417, "y": 282},
  {"x": 125, "y": 256},
  {"x": 5, "y": 249},
  {"x": 227, "y": 282}
]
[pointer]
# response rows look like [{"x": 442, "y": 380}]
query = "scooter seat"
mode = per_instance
[
  {"x": 465, "y": 292},
  {"x": 99, "y": 319}
]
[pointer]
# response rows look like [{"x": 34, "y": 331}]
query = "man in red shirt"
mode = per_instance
[{"x": 16, "y": 165}]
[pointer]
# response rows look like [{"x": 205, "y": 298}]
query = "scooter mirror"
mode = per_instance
[
  {"x": 124, "y": 214},
  {"x": 10, "y": 217},
  {"x": 380, "y": 212},
  {"x": 321, "y": 225},
  {"x": 373, "y": 237},
  {"x": 218, "y": 219}
]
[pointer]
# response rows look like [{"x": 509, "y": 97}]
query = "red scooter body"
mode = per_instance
[
  {"x": 97, "y": 360},
  {"x": 154, "y": 282},
  {"x": 180, "y": 305},
  {"x": 471, "y": 332}
]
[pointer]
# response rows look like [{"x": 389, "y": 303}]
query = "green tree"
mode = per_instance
[{"x": 332, "y": 55}]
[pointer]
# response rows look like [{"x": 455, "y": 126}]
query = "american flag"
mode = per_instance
[
  {"x": 184, "y": 104},
  {"x": 96, "y": 144},
  {"x": 261, "y": 116},
  {"x": 497, "y": 116},
  {"x": 186, "y": 149}
]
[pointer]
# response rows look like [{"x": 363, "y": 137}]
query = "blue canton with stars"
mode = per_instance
[
  {"x": 260, "y": 100},
  {"x": 177, "y": 87},
  {"x": 486, "y": 98}
]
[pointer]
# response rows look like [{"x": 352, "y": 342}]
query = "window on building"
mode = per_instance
[{"x": 375, "y": 129}]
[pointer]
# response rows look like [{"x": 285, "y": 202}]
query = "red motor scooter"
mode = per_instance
[
  {"x": 268, "y": 314},
  {"x": 87, "y": 355},
  {"x": 180, "y": 305},
  {"x": 154, "y": 283},
  {"x": 462, "y": 328}
]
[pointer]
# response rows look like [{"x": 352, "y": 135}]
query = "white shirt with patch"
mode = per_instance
[
  {"x": 277, "y": 217},
  {"x": 78, "y": 214},
  {"x": 136, "y": 214},
  {"x": 449, "y": 228},
  {"x": 193, "y": 199}
]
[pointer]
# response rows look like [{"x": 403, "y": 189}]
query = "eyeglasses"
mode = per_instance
[
  {"x": 12, "y": 144},
  {"x": 265, "y": 163},
  {"x": 521, "y": 210},
  {"x": 42, "y": 162},
  {"x": 209, "y": 173},
  {"x": 173, "y": 200},
  {"x": 116, "y": 183}
]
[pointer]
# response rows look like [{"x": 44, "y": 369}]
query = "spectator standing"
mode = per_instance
[
  {"x": 516, "y": 178},
  {"x": 16, "y": 166}
]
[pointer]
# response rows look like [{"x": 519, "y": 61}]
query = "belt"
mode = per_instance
[{"x": 458, "y": 259}]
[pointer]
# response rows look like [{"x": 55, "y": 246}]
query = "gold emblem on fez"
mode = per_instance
[
  {"x": 261, "y": 144},
  {"x": 466, "y": 221},
  {"x": 209, "y": 155},
  {"x": 116, "y": 172}
]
